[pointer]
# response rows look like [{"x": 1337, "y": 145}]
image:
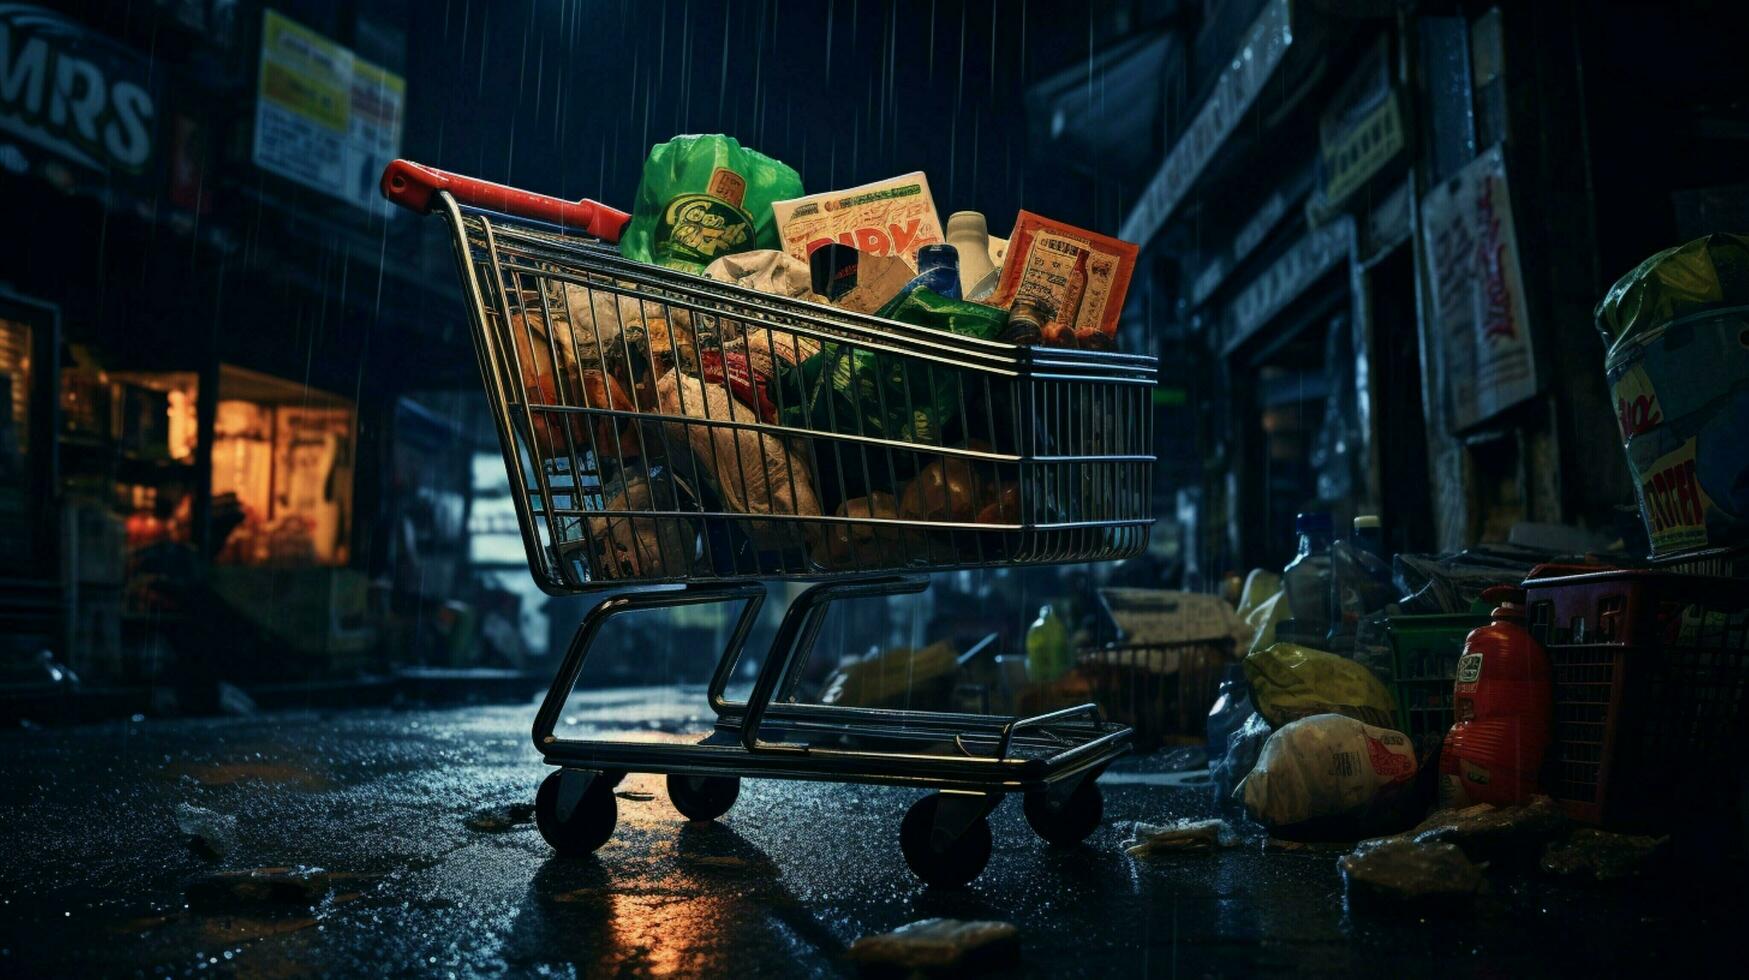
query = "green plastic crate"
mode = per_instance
[{"x": 1424, "y": 655}]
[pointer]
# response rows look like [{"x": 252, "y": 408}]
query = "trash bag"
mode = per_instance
[
  {"x": 1232, "y": 706},
  {"x": 1263, "y": 619},
  {"x": 1331, "y": 777},
  {"x": 1244, "y": 745},
  {"x": 1679, "y": 373},
  {"x": 1290, "y": 682},
  {"x": 1452, "y": 583},
  {"x": 1260, "y": 585}
]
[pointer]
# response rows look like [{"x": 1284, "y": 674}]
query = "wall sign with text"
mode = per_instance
[
  {"x": 1478, "y": 316},
  {"x": 325, "y": 117}
]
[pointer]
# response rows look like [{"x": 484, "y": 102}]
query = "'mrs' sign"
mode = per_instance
[{"x": 72, "y": 91}]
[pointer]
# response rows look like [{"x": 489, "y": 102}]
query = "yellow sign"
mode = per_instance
[{"x": 324, "y": 117}]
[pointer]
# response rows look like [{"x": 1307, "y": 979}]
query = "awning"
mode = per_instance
[
  {"x": 1234, "y": 90},
  {"x": 1102, "y": 116}
]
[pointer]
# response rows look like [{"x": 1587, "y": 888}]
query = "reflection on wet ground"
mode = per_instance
[{"x": 361, "y": 849}]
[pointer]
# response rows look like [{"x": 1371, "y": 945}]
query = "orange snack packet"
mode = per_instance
[{"x": 1078, "y": 275}]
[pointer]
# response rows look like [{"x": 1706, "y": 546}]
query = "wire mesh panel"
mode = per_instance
[
  {"x": 1160, "y": 690},
  {"x": 663, "y": 427},
  {"x": 1651, "y": 686}
]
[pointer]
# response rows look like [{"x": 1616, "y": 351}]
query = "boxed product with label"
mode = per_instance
[
  {"x": 1071, "y": 279},
  {"x": 888, "y": 217}
]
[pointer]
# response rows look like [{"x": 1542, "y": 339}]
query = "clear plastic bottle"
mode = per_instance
[
  {"x": 1360, "y": 581},
  {"x": 1307, "y": 578},
  {"x": 1369, "y": 536},
  {"x": 1047, "y": 647}
]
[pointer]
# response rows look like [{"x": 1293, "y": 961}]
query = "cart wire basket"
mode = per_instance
[
  {"x": 663, "y": 428},
  {"x": 1651, "y": 694},
  {"x": 1162, "y": 691}
]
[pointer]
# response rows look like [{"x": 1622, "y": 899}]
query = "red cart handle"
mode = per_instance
[{"x": 413, "y": 185}]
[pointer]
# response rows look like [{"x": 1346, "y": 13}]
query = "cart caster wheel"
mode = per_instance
[
  {"x": 703, "y": 797},
  {"x": 574, "y": 824},
  {"x": 948, "y": 863},
  {"x": 1067, "y": 822}
]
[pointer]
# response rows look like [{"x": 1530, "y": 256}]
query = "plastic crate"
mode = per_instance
[
  {"x": 1424, "y": 656},
  {"x": 1650, "y": 673},
  {"x": 1160, "y": 690}
]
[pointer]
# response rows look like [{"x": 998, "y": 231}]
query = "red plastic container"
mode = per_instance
[
  {"x": 1501, "y": 702},
  {"x": 1650, "y": 671}
]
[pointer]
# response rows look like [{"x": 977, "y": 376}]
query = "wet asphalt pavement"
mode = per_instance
[{"x": 97, "y": 879}]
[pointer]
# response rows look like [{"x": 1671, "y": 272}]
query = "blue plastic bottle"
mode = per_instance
[{"x": 938, "y": 268}]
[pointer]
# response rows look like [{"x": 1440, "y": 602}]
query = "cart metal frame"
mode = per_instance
[{"x": 1082, "y": 495}]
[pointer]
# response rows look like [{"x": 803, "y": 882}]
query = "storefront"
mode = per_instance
[
  {"x": 1292, "y": 279},
  {"x": 1385, "y": 306},
  {"x": 195, "y": 452}
]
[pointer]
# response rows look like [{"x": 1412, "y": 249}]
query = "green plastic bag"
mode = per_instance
[
  {"x": 849, "y": 389},
  {"x": 1705, "y": 274},
  {"x": 703, "y": 197},
  {"x": 1290, "y": 682},
  {"x": 925, "y": 307}
]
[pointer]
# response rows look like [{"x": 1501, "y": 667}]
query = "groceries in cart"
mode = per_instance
[
  {"x": 890, "y": 217},
  {"x": 836, "y": 420},
  {"x": 765, "y": 382},
  {"x": 704, "y": 198}
]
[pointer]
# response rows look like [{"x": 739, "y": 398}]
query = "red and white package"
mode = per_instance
[
  {"x": 745, "y": 383},
  {"x": 889, "y": 217}
]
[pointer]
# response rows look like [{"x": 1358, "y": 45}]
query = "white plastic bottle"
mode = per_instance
[{"x": 970, "y": 236}]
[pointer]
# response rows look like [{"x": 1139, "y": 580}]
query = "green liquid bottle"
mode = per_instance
[{"x": 1047, "y": 647}]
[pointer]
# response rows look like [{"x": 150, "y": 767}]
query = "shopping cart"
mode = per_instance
[{"x": 660, "y": 427}]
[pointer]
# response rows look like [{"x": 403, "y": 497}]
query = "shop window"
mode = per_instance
[
  {"x": 127, "y": 445},
  {"x": 15, "y": 344},
  {"x": 283, "y": 465}
]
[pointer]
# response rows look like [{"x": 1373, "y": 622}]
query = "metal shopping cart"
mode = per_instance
[{"x": 663, "y": 428}]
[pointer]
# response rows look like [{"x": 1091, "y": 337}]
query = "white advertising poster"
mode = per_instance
[
  {"x": 1479, "y": 316},
  {"x": 323, "y": 117}
]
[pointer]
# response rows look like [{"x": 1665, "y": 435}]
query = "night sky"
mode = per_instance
[{"x": 567, "y": 97}]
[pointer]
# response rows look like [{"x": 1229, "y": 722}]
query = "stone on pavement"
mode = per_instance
[
  {"x": 1484, "y": 832},
  {"x": 1394, "y": 870},
  {"x": 1603, "y": 856},
  {"x": 210, "y": 835},
  {"x": 932, "y": 946}
]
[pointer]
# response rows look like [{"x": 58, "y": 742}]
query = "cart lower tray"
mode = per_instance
[
  {"x": 943, "y": 756},
  {"x": 969, "y": 761}
]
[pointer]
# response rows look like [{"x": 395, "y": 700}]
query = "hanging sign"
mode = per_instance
[
  {"x": 84, "y": 99},
  {"x": 323, "y": 116},
  {"x": 1236, "y": 88},
  {"x": 1478, "y": 314},
  {"x": 1362, "y": 130},
  {"x": 1305, "y": 261}
]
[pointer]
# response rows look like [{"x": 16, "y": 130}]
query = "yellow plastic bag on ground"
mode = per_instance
[
  {"x": 1262, "y": 620},
  {"x": 1290, "y": 682}
]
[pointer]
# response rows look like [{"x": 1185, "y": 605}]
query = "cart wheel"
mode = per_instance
[
  {"x": 950, "y": 863},
  {"x": 703, "y": 797},
  {"x": 588, "y": 822},
  {"x": 1068, "y": 822}
]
